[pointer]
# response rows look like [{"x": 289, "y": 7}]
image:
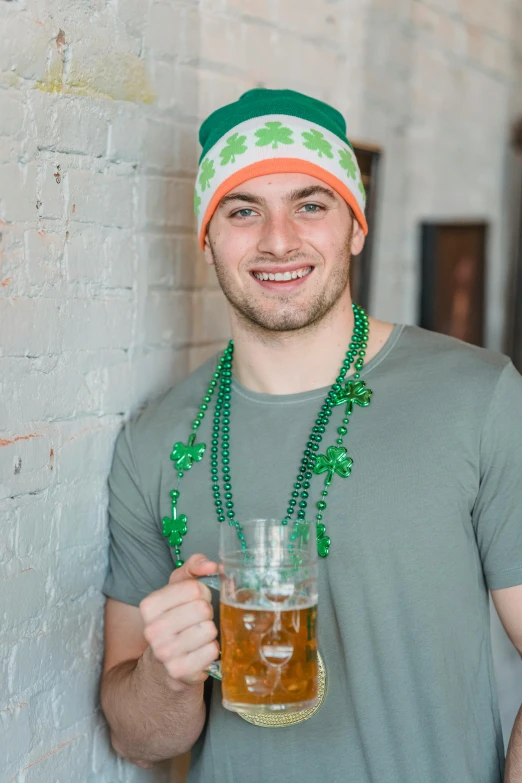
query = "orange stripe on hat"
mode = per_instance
[{"x": 281, "y": 166}]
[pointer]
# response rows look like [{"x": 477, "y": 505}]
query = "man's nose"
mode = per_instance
[{"x": 279, "y": 237}]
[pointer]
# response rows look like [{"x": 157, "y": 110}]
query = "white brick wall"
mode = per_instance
[{"x": 104, "y": 301}]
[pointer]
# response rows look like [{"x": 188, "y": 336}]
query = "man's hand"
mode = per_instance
[{"x": 178, "y": 623}]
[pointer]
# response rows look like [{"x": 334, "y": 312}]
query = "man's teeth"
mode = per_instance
[{"x": 280, "y": 276}]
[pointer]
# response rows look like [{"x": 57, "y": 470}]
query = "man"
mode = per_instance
[{"x": 427, "y": 523}]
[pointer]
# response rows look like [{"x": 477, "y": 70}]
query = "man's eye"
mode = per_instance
[
  {"x": 243, "y": 213},
  {"x": 311, "y": 208}
]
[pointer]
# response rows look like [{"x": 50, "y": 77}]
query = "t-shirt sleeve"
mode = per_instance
[
  {"x": 139, "y": 558},
  {"x": 497, "y": 514}
]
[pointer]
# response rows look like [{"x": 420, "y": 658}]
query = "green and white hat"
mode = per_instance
[{"x": 274, "y": 132}]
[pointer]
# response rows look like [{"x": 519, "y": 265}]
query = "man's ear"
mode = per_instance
[
  {"x": 358, "y": 238},
  {"x": 209, "y": 258}
]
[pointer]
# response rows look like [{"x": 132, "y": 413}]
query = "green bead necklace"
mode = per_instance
[{"x": 335, "y": 462}]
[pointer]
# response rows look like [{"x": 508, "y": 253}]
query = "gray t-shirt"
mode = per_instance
[{"x": 429, "y": 519}]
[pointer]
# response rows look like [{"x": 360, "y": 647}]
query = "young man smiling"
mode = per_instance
[{"x": 421, "y": 523}]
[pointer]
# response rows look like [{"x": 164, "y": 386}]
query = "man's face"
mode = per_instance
[{"x": 281, "y": 245}]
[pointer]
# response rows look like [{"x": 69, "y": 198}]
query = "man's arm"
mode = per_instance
[
  {"x": 155, "y": 656},
  {"x": 508, "y": 603}
]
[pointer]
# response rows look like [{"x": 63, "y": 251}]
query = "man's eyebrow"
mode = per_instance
[
  {"x": 311, "y": 190},
  {"x": 246, "y": 197}
]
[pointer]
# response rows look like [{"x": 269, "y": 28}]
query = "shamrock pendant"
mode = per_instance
[
  {"x": 323, "y": 541},
  {"x": 174, "y": 528},
  {"x": 184, "y": 456},
  {"x": 335, "y": 461},
  {"x": 354, "y": 392}
]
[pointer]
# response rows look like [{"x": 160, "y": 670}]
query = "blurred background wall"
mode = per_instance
[{"x": 104, "y": 301}]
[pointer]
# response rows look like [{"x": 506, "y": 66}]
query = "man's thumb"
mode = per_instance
[{"x": 196, "y": 565}]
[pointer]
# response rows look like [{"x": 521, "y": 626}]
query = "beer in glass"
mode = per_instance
[{"x": 268, "y": 616}]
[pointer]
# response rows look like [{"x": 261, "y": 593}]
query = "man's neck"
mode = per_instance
[{"x": 303, "y": 360}]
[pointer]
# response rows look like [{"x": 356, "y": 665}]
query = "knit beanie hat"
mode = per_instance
[{"x": 274, "y": 132}]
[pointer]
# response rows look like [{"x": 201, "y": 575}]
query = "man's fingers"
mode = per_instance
[
  {"x": 191, "y": 667},
  {"x": 190, "y": 640},
  {"x": 171, "y": 596},
  {"x": 175, "y": 621},
  {"x": 196, "y": 565}
]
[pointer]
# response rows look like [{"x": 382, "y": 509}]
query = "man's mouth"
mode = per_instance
[{"x": 283, "y": 277}]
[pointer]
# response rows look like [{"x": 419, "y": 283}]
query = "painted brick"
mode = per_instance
[
  {"x": 8, "y": 524},
  {"x": 210, "y": 316},
  {"x": 84, "y": 253},
  {"x": 35, "y": 528},
  {"x": 50, "y": 191},
  {"x": 32, "y": 662},
  {"x": 105, "y": 256},
  {"x": 134, "y": 15},
  {"x": 190, "y": 43},
  {"x": 18, "y": 182},
  {"x": 81, "y": 682},
  {"x": 103, "y": 760},
  {"x": 186, "y": 89},
  {"x": 120, "y": 256},
  {"x": 29, "y": 326},
  {"x": 84, "y": 441},
  {"x": 25, "y": 42},
  {"x": 24, "y": 590},
  {"x": 91, "y": 324},
  {"x": 49, "y": 385},
  {"x": 108, "y": 66},
  {"x": 187, "y": 148},
  {"x": 167, "y": 318},
  {"x": 170, "y": 262},
  {"x": 165, "y": 76},
  {"x": 167, "y": 202},
  {"x": 24, "y": 464},
  {"x": 66, "y": 759},
  {"x": 164, "y": 30},
  {"x": 160, "y": 139},
  {"x": 69, "y": 124},
  {"x": 78, "y": 571},
  {"x": 103, "y": 199},
  {"x": 15, "y": 732},
  {"x": 251, "y": 8},
  {"x": 43, "y": 254},
  {"x": 126, "y": 133},
  {"x": 221, "y": 40},
  {"x": 13, "y": 276},
  {"x": 166, "y": 365},
  {"x": 317, "y": 25},
  {"x": 11, "y": 113}
]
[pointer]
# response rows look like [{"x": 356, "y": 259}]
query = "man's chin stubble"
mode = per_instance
[
  {"x": 266, "y": 324},
  {"x": 291, "y": 320}
]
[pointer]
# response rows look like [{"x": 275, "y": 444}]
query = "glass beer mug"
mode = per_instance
[{"x": 268, "y": 617}]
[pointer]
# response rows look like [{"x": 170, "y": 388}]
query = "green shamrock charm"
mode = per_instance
[
  {"x": 274, "y": 133},
  {"x": 175, "y": 528},
  {"x": 354, "y": 392},
  {"x": 207, "y": 172},
  {"x": 315, "y": 141},
  {"x": 235, "y": 146},
  {"x": 323, "y": 541},
  {"x": 184, "y": 456},
  {"x": 335, "y": 461},
  {"x": 347, "y": 162}
]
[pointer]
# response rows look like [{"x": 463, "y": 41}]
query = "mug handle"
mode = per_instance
[{"x": 212, "y": 581}]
